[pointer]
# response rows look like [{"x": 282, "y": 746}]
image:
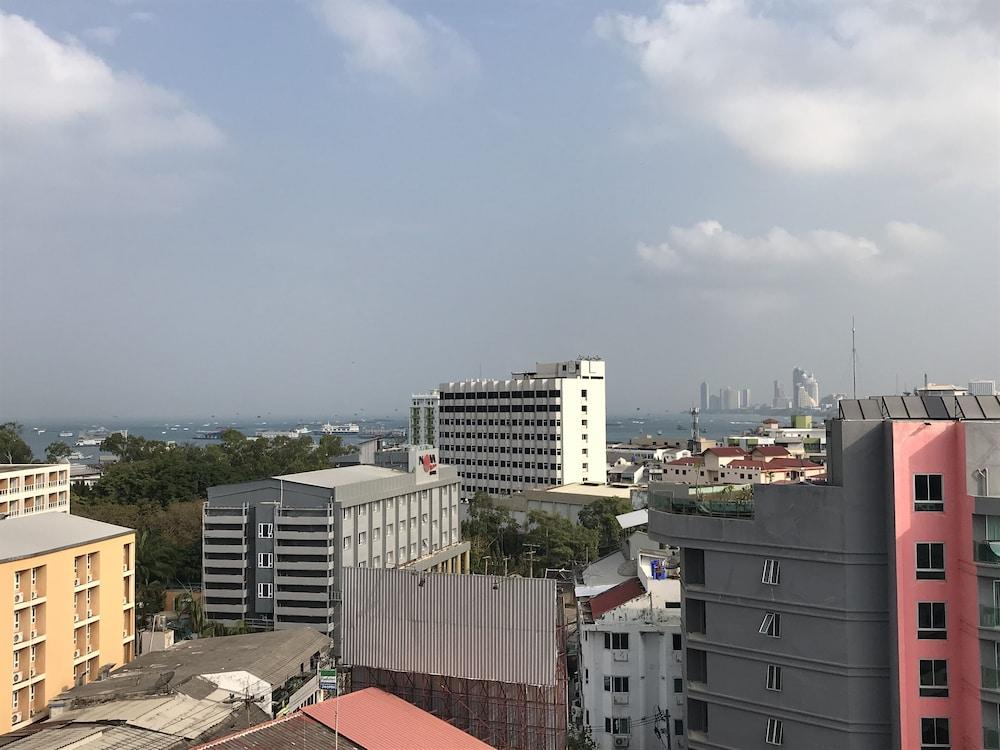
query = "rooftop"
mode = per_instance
[
  {"x": 376, "y": 720},
  {"x": 8, "y": 468},
  {"x": 297, "y": 731},
  {"x": 592, "y": 490},
  {"x": 616, "y": 596},
  {"x": 921, "y": 407},
  {"x": 40, "y": 533},
  {"x": 340, "y": 477}
]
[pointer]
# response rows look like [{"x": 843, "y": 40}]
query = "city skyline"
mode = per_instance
[{"x": 280, "y": 221}]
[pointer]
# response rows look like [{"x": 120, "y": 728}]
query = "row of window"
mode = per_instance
[
  {"x": 460, "y": 395},
  {"x": 500, "y": 408},
  {"x": 526, "y": 450},
  {"x": 456, "y": 422}
]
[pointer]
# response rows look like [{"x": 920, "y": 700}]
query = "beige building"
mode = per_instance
[
  {"x": 69, "y": 584},
  {"x": 33, "y": 488}
]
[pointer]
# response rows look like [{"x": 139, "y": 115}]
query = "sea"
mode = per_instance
[{"x": 620, "y": 428}]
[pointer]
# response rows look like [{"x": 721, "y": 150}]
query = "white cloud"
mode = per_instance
[
  {"x": 102, "y": 34},
  {"x": 717, "y": 257},
  {"x": 60, "y": 95},
  {"x": 383, "y": 40},
  {"x": 908, "y": 86}
]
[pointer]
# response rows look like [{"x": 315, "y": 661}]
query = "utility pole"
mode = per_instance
[
  {"x": 854, "y": 359},
  {"x": 486, "y": 559},
  {"x": 531, "y": 559},
  {"x": 506, "y": 559}
]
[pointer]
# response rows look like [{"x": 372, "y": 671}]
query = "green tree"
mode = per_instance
[
  {"x": 600, "y": 516},
  {"x": 580, "y": 738},
  {"x": 189, "y": 606},
  {"x": 57, "y": 451},
  {"x": 13, "y": 449},
  {"x": 560, "y": 542},
  {"x": 492, "y": 532}
]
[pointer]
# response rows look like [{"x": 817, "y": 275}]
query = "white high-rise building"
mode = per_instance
[
  {"x": 538, "y": 428},
  {"x": 423, "y": 419}
]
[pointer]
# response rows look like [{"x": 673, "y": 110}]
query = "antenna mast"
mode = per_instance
[{"x": 854, "y": 360}]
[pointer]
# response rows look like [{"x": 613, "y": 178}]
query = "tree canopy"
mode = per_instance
[
  {"x": 13, "y": 449},
  {"x": 600, "y": 516}
]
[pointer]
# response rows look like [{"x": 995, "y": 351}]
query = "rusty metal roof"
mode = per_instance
[{"x": 615, "y": 596}]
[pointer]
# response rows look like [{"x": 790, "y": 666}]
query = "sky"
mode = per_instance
[{"x": 322, "y": 206}]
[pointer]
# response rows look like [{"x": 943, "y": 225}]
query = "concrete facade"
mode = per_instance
[
  {"x": 423, "y": 426},
  {"x": 69, "y": 583},
  {"x": 862, "y": 591},
  {"x": 33, "y": 488},
  {"x": 273, "y": 549},
  {"x": 543, "y": 427}
]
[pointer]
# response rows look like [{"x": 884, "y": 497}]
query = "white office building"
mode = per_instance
[
  {"x": 538, "y": 428},
  {"x": 631, "y": 665},
  {"x": 982, "y": 387}
]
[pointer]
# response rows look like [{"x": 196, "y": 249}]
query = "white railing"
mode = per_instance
[{"x": 37, "y": 508}]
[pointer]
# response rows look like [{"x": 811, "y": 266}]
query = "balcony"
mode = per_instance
[
  {"x": 991, "y": 678},
  {"x": 991, "y": 739},
  {"x": 989, "y": 617},
  {"x": 983, "y": 552}
]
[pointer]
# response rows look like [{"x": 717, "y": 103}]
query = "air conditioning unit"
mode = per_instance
[
  {"x": 15, "y": 718},
  {"x": 18, "y": 637},
  {"x": 620, "y": 699},
  {"x": 18, "y": 597},
  {"x": 621, "y": 741},
  {"x": 17, "y": 677},
  {"x": 76, "y": 654},
  {"x": 678, "y": 656}
]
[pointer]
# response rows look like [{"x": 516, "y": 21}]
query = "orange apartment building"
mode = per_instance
[{"x": 67, "y": 598}]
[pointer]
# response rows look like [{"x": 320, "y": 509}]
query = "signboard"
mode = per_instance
[{"x": 328, "y": 679}]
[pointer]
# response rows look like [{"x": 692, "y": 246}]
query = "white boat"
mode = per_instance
[
  {"x": 77, "y": 456},
  {"x": 65, "y": 433},
  {"x": 341, "y": 429},
  {"x": 89, "y": 441},
  {"x": 302, "y": 431}
]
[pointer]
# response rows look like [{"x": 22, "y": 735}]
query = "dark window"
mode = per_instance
[
  {"x": 676, "y": 641},
  {"x": 934, "y": 734},
  {"x": 697, "y": 665},
  {"x": 773, "y": 677},
  {"x": 678, "y": 727},
  {"x": 697, "y": 716},
  {"x": 678, "y": 685},
  {"x": 616, "y": 640},
  {"x": 931, "y": 623},
  {"x": 770, "y": 625},
  {"x": 930, "y": 560},
  {"x": 928, "y": 492},
  {"x": 694, "y": 615},
  {"x": 693, "y": 568},
  {"x": 933, "y": 678}
]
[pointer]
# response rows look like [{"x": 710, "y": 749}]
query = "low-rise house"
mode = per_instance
[
  {"x": 187, "y": 694},
  {"x": 566, "y": 500},
  {"x": 730, "y": 465},
  {"x": 368, "y": 719},
  {"x": 630, "y": 675}
]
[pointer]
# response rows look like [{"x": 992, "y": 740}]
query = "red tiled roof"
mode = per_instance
[
  {"x": 723, "y": 451},
  {"x": 746, "y": 463},
  {"x": 377, "y": 720},
  {"x": 792, "y": 463},
  {"x": 616, "y": 595},
  {"x": 771, "y": 450},
  {"x": 687, "y": 461}
]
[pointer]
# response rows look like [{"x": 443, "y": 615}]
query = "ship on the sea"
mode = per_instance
[{"x": 341, "y": 429}]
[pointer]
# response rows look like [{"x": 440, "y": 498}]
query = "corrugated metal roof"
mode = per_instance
[
  {"x": 376, "y": 720},
  {"x": 295, "y": 732},
  {"x": 633, "y": 518},
  {"x": 177, "y": 715},
  {"x": 613, "y": 597},
  {"x": 469, "y": 626},
  {"x": 94, "y": 737}
]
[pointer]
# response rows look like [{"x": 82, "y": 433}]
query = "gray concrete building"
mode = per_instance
[
  {"x": 844, "y": 614},
  {"x": 273, "y": 549}
]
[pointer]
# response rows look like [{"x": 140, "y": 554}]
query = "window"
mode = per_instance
[
  {"x": 678, "y": 685},
  {"x": 265, "y": 530},
  {"x": 617, "y": 726},
  {"x": 927, "y": 492},
  {"x": 679, "y": 727},
  {"x": 771, "y": 624},
  {"x": 347, "y": 542},
  {"x": 773, "y": 677},
  {"x": 265, "y": 560},
  {"x": 934, "y": 734},
  {"x": 931, "y": 621},
  {"x": 265, "y": 591},
  {"x": 676, "y": 641},
  {"x": 362, "y": 536},
  {"x": 615, "y": 684},
  {"x": 775, "y": 732},
  {"x": 933, "y": 678},
  {"x": 930, "y": 560},
  {"x": 772, "y": 572},
  {"x": 616, "y": 640}
]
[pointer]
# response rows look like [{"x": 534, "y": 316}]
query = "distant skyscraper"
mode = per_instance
[
  {"x": 714, "y": 403},
  {"x": 779, "y": 400},
  {"x": 704, "y": 396},
  {"x": 805, "y": 389},
  {"x": 744, "y": 398},
  {"x": 980, "y": 387},
  {"x": 730, "y": 398}
]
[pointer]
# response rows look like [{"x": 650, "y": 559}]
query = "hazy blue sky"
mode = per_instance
[{"x": 321, "y": 206}]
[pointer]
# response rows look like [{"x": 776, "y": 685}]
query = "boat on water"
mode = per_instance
[
  {"x": 341, "y": 429},
  {"x": 638, "y": 421},
  {"x": 303, "y": 430},
  {"x": 66, "y": 433},
  {"x": 77, "y": 456},
  {"x": 83, "y": 441}
]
